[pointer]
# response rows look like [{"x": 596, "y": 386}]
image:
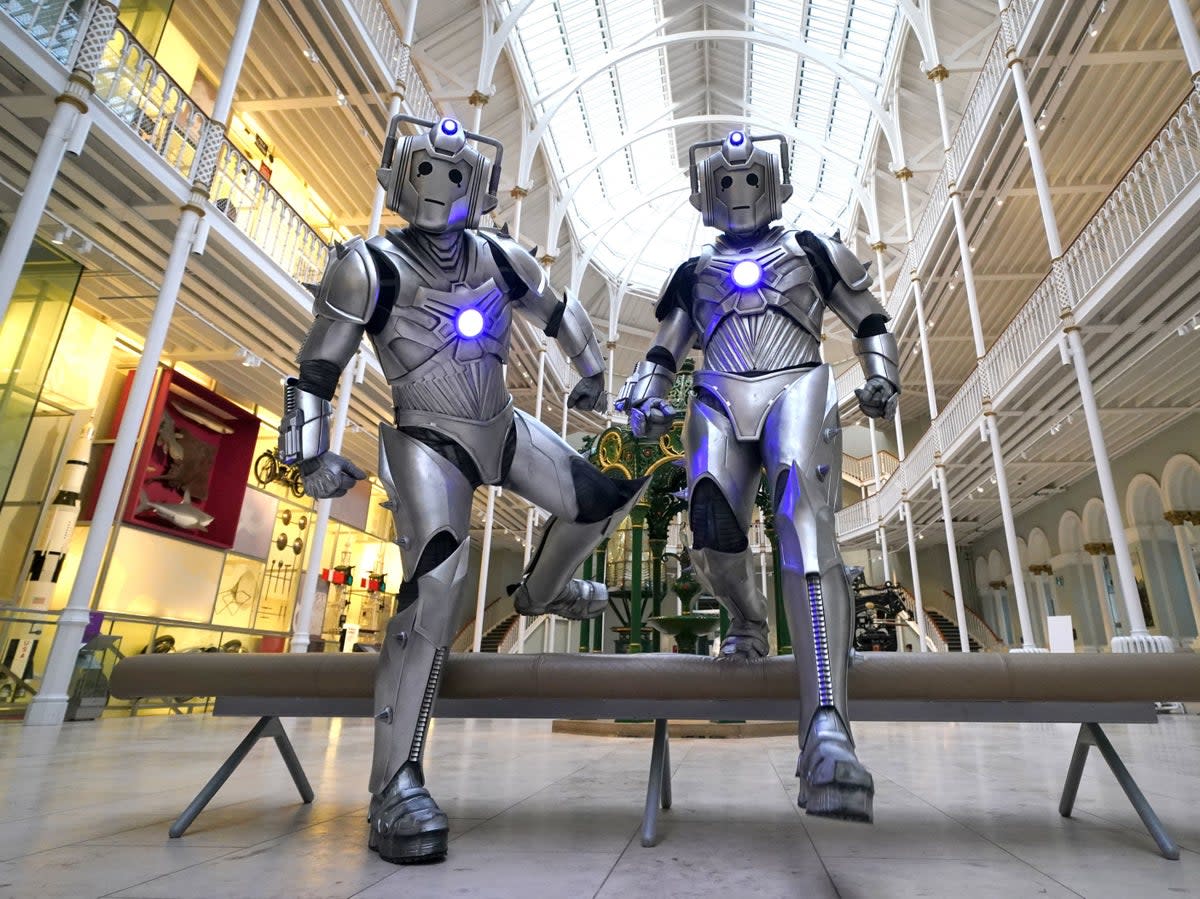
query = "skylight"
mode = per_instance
[{"x": 632, "y": 206}]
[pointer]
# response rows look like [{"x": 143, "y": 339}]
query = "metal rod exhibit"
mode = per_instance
[{"x": 50, "y": 704}]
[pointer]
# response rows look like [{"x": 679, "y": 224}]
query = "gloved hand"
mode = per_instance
[
  {"x": 589, "y": 394},
  {"x": 651, "y": 417},
  {"x": 329, "y": 475},
  {"x": 878, "y": 398}
]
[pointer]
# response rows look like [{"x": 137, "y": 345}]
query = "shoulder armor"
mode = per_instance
[
  {"x": 349, "y": 289},
  {"x": 705, "y": 257},
  {"x": 847, "y": 265},
  {"x": 511, "y": 257}
]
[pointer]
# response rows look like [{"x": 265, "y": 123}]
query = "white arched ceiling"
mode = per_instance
[
  {"x": 581, "y": 79},
  {"x": 1181, "y": 483}
]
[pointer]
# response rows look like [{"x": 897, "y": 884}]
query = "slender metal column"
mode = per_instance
[
  {"x": 66, "y": 134},
  {"x": 522, "y": 621},
  {"x": 1139, "y": 639},
  {"x": 410, "y": 22},
  {"x": 380, "y": 193},
  {"x": 960, "y": 608},
  {"x": 887, "y": 567},
  {"x": 1179, "y": 522},
  {"x": 1028, "y": 644},
  {"x": 485, "y": 558},
  {"x": 302, "y": 620},
  {"x": 50, "y": 704},
  {"x": 1188, "y": 35}
]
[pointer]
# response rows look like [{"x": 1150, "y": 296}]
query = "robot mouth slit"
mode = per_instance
[
  {"x": 741, "y": 207},
  {"x": 431, "y": 200}
]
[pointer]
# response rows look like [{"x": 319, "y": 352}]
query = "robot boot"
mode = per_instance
[
  {"x": 730, "y": 577},
  {"x": 833, "y": 782},
  {"x": 406, "y": 824},
  {"x": 547, "y": 587}
]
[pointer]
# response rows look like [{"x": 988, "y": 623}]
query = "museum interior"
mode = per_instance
[{"x": 1020, "y": 178}]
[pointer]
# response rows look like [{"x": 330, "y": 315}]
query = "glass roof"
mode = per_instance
[{"x": 632, "y": 207}]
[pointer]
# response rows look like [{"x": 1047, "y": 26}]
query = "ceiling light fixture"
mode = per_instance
[{"x": 62, "y": 235}]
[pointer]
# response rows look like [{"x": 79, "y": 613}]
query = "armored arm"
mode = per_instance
[
  {"x": 644, "y": 395},
  {"x": 849, "y": 296},
  {"x": 564, "y": 320},
  {"x": 344, "y": 303}
]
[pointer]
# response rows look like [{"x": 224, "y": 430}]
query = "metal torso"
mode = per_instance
[
  {"x": 441, "y": 380},
  {"x": 758, "y": 340}
]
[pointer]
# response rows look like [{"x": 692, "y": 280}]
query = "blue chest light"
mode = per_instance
[
  {"x": 747, "y": 274},
  {"x": 469, "y": 323}
]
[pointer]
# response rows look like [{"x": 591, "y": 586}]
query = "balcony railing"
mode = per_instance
[
  {"x": 55, "y": 24},
  {"x": 132, "y": 84},
  {"x": 392, "y": 47},
  {"x": 1161, "y": 176}
]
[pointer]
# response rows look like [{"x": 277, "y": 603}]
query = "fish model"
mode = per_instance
[{"x": 182, "y": 515}]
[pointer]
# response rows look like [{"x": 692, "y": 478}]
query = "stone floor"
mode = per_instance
[{"x": 961, "y": 810}]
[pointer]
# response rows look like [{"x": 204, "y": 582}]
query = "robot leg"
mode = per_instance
[
  {"x": 803, "y": 449},
  {"x": 723, "y": 478},
  {"x": 586, "y": 508},
  {"x": 430, "y": 500}
]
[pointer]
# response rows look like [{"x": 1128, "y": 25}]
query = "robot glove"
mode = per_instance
[
  {"x": 329, "y": 475},
  {"x": 589, "y": 394},
  {"x": 878, "y": 398}
]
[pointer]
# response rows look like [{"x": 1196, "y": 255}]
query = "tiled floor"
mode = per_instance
[{"x": 961, "y": 810}]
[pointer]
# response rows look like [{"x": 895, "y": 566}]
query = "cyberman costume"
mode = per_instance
[
  {"x": 753, "y": 302},
  {"x": 437, "y": 299}
]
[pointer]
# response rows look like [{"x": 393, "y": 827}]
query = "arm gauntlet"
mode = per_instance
[
  {"x": 880, "y": 357},
  {"x": 577, "y": 337},
  {"x": 304, "y": 428},
  {"x": 649, "y": 380}
]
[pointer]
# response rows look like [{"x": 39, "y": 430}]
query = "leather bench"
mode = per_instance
[{"x": 1086, "y": 689}]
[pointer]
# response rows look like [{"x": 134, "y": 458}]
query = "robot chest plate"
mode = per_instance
[
  {"x": 463, "y": 324},
  {"x": 749, "y": 283}
]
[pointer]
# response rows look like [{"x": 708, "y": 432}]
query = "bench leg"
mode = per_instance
[
  {"x": 290, "y": 759},
  {"x": 1091, "y": 735},
  {"x": 666, "y": 771},
  {"x": 265, "y": 727},
  {"x": 655, "y": 792}
]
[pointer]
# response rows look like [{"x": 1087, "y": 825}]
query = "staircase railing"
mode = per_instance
[
  {"x": 933, "y": 635},
  {"x": 512, "y": 641}
]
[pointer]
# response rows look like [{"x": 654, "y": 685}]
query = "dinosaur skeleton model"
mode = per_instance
[
  {"x": 437, "y": 299},
  {"x": 753, "y": 302}
]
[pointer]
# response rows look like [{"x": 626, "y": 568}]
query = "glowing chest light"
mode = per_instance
[
  {"x": 469, "y": 323},
  {"x": 747, "y": 274}
]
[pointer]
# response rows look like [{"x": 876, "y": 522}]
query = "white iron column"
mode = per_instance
[
  {"x": 485, "y": 558},
  {"x": 960, "y": 608},
  {"x": 518, "y": 194},
  {"x": 1028, "y": 642},
  {"x": 67, "y": 132},
  {"x": 906, "y": 514},
  {"x": 380, "y": 193},
  {"x": 1179, "y": 523},
  {"x": 302, "y": 619},
  {"x": 50, "y": 704},
  {"x": 883, "y": 547},
  {"x": 1188, "y": 34},
  {"x": 410, "y": 22},
  {"x": 1097, "y": 552},
  {"x": 1139, "y": 639},
  {"x": 904, "y": 175},
  {"x": 478, "y": 100}
]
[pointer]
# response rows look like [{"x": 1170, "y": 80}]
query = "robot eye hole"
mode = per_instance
[
  {"x": 424, "y": 168},
  {"x": 752, "y": 179},
  {"x": 726, "y": 183},
  {"x": 456, "y": 176}
]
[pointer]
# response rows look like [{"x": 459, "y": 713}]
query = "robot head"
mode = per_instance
[
  {"x": 740, "y": 188},
  {"x": 434, "y": 179}
]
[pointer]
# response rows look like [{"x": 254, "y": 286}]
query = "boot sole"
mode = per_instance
[
  {"x": 418, "y": 849},
  {"x": 849, "y": 797}
]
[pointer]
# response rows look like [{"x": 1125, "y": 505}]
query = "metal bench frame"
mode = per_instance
[{"x": 658, "y": 789}]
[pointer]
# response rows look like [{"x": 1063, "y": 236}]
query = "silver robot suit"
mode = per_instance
[
  {"x": 437, "y": 299},
  {"x": 753, "y": 303}
]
